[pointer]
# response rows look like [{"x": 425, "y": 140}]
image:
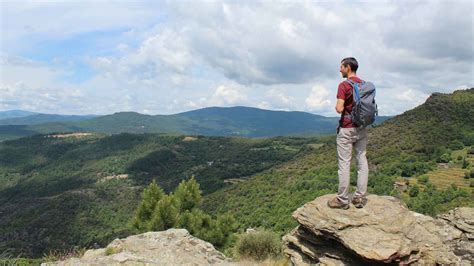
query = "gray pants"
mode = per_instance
[{"x": 346, "y": 139}]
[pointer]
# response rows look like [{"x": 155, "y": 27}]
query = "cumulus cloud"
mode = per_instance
[
  {"x": 167, "y": 57},
  {"x": 223, "y": 95},
  {"x": 318, "y": 99},
  {"x": 280, "y": 99},
  {"x": 260, "y": 43},
  {"x": 228, "y": 95},
  {"x": 19, "y": 95}
]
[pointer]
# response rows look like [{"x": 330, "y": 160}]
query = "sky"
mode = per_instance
[{"x": 166, "y": 57}]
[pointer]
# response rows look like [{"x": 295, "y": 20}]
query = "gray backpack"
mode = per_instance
[{"x": 364, "y": 108}]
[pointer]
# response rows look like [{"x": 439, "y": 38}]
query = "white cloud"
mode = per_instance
[
  {"x": 318, "y": 99},
  {"x": 168, "y": 57},
  {"x": 228, "y": 95},
  {"x": 21, "y": 70},
  {"x": 280, "y": 99},
  {"x": 19, "y": 95}
]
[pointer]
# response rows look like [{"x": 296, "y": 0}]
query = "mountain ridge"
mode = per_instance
[{"x": 211, "y": 121}]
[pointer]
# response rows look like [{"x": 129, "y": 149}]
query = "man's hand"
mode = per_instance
[{"x": 340, "y": 106}]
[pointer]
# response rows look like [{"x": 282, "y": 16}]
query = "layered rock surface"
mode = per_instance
[
  {"x": 170, "y": 247},
  {"x": 384, "y": 231}
]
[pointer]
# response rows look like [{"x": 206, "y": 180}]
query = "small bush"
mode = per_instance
[
  {"x": 423, "y": 179},
  {"x": 456, "y": 145},
  {"x": 469, "y": 174},
  {"x": 465, "y": 163},
  {"x": 471, "y": 150},
  {"x": 471, "y": 184},
  {"x": 61, "y": 255},
  {"x": 445, "y": 158},
  {"x": 112, "y": 250},
  {"x": 414, "y": 190},
  {"x": 259, "y": 246}
]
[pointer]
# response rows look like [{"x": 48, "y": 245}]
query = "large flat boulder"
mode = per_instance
[{"x": 384, "y": 231}]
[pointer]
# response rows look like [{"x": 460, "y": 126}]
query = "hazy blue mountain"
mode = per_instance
[
  {"x": 35, "y": 118},
  {"x": 210, "y": 121},
  {"x": 15, "y": 113}
]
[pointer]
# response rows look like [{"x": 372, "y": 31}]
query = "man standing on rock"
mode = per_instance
[{"x": 349, "y": 136}]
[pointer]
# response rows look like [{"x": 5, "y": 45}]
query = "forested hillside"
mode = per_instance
[
  {"x": 58, "y": 191},
  {"x": 402, "y": 149},
  {"x": 63, "y": 190}
]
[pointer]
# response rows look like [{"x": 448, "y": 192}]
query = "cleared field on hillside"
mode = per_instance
[{"x": 443, "y": 178}]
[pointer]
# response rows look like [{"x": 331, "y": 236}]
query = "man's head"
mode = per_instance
[{"x": 348, "y": 65}]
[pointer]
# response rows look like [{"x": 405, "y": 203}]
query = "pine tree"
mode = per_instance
[
  {"x": 150, "y": 197},
  {"x": 166, "y": 214},
  {"x": 158, "y": 211},
  {"x": 188, "y": 195},
  {"x": 191, "y": 220}
]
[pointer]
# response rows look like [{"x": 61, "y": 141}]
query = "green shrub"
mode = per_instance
[
  {"x": 414, "y": 190},
  {"x": 423, "y": 179},
  {"x": 445, "y": 158},
  {"x": 112, "y": 250},
  {"x": 465, "y": 163},
  {"x": 469, "y": 174},
  {"x": 408, "y": 169},
  {"x": 61, "y": 255},
  {"x": 456, "y": 145},
  {"x": 259, "y": 246},
  {"x": 470, "y": 150}
]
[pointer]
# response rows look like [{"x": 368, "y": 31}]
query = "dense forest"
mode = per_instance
[{"x": 59, "y": 191}]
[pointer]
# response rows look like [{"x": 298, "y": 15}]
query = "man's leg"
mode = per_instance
[
  {"x": 362, "y": 165},
  {"x": 344, "y": 154}
]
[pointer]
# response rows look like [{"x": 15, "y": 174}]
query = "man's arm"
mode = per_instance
[{"x": 340, "y": 106}]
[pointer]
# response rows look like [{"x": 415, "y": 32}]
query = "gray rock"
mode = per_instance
[
  {"x": 462, "y": 219},
  {"x": 170, "y": 247},
  {"x": 384, "y": 231}
]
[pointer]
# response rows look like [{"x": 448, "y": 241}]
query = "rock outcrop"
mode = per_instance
[
  {"x": 170, "y": 247},
  {"x": 384, "y": 231}
]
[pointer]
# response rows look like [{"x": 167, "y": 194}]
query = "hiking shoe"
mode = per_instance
[
  {"x": 335, "y": 203},
  {"x": 359, "y": 202}
]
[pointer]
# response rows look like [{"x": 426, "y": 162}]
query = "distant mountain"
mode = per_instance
[
  {"x": 14, "y": 113},
  {"x": 35, "y": 118},
  {"x": 210, "y": 121}
]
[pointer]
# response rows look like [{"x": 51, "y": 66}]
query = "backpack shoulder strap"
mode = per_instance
[
  {"x": 350, "y": 82},
  {"x": 355, "y": 87},
  {"x": 353, "y": 82}
]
